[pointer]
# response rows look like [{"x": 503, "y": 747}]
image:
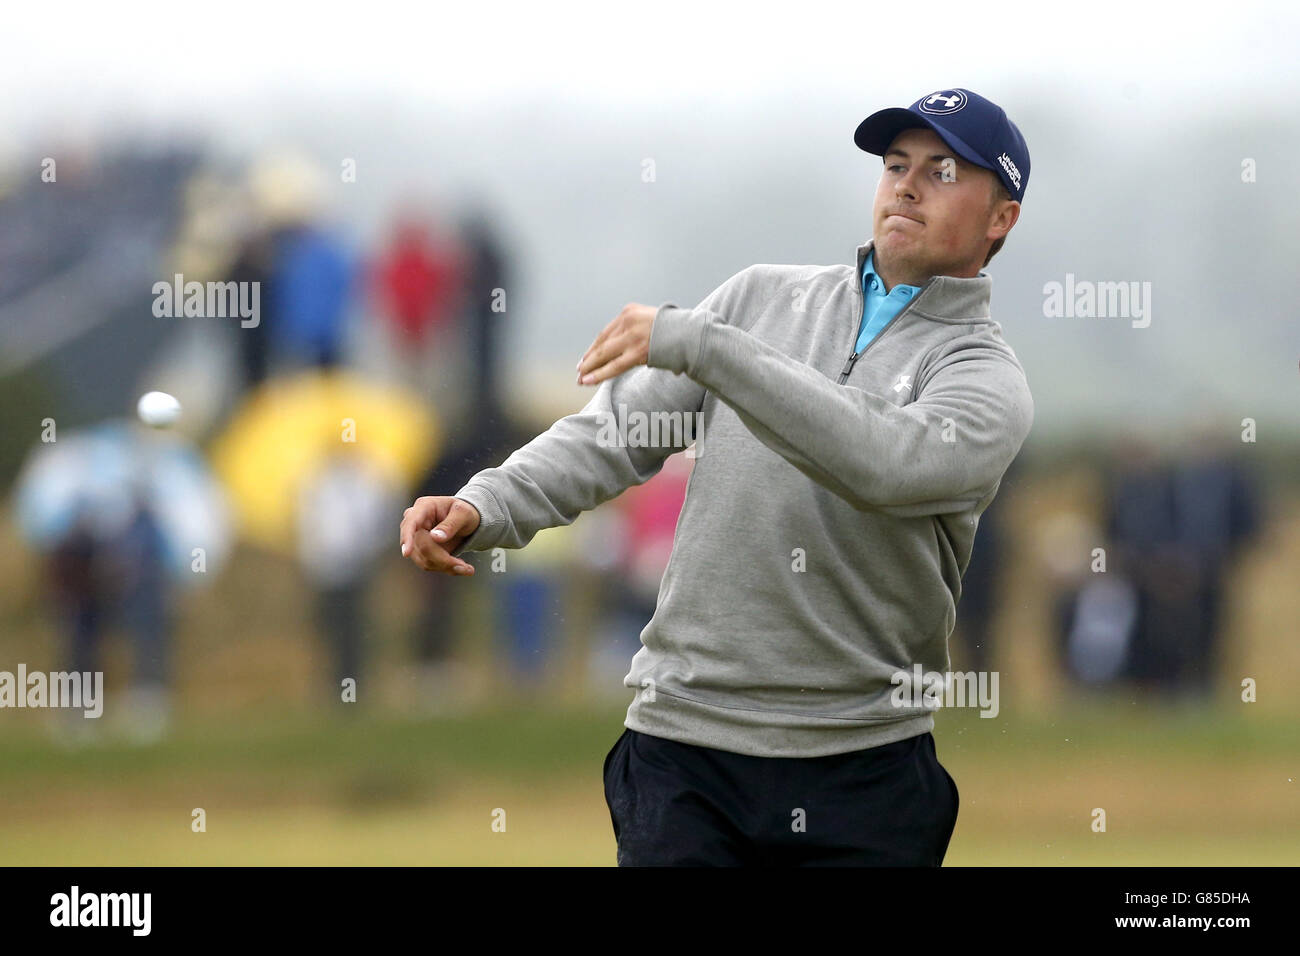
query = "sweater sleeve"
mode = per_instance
[
  {"x": 940, "y": 453},
  {"x": 580, "y": 461}
]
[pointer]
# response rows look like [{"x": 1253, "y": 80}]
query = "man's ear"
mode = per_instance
[{"x": 1003, "y": 219}]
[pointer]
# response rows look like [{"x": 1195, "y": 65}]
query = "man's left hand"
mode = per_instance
[{"x": 624, "y": 344}]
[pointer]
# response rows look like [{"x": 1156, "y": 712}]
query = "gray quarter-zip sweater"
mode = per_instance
[{"x": 829, "y": 515}]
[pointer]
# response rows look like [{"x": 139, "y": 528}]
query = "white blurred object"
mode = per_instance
[
  {"x": 158, "y": 409},
  {"x": 347, "y": 511},
  {"x": 200, "y": 363},
  {"x": 146, "y": 714},
  {"x": 287, "y": 188},
  {"x": 1102, "y": 629},
  {"x": 100, "y": 475}
]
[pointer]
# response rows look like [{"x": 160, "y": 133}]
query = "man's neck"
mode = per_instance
[{"x": 891, "y": 277}]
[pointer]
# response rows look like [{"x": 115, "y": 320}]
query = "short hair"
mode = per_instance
[{"x": 996, "y": 195}]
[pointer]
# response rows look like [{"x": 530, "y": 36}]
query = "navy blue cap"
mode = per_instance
[{"x": 976, "y": 129}]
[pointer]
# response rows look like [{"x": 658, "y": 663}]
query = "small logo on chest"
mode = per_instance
[{"x": 904, "y": 383}]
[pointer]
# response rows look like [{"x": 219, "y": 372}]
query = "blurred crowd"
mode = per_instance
[
  {"x": 1139, "y": 586},
  {"x": 371, "y": 374}
]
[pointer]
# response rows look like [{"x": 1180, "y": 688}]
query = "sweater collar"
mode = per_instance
[{"x": 945, "y": 298}]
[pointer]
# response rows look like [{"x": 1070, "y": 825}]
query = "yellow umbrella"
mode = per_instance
[{"x": 288, "y": 427}]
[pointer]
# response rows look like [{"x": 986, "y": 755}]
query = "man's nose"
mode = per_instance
[{"x": 905, "y": 186}]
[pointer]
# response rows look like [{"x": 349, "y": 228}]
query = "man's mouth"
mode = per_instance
[{"x": 899, "y": 215}]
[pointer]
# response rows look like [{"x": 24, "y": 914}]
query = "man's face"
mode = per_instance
[{"x": 933, "y": 213}]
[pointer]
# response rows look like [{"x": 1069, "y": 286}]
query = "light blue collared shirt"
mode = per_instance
[{"x": 878, "y": 306}]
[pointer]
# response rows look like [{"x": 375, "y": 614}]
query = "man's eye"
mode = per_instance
[{"x": 895, "y": 166}]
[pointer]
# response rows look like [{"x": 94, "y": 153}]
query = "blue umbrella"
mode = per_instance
[{"x": 100, "y": 477}]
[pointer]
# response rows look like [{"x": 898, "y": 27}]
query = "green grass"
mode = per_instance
[{"x": 1178, "y": 786}]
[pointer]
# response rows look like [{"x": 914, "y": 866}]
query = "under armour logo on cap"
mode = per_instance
[{"x": 944, "y": 101}]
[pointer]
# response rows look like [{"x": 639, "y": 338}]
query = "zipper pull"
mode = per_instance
[{"x": 848, "y": 366}]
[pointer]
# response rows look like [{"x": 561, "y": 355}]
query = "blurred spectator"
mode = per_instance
[
  {"x": 255, "y": 263},
  {"x": 1096, "y": 622},
  {"x": 308, "y": 294},
  {"x": 416, "y": 281},
  {"x": 980, "y": 583},
  {"x": 1217, "y": 510},
  {"x": 533, "y": 587},
  {"x": 417, "y": 285},
  {"x": 1140, "y": 527},
  {"x": 80, "y": 592},
  {"x": 345, "y": 516},
  {"x": 1175, "y": 528},
  {"x": 641, "y": 542},
  {"x": 141, "y": 556},
  {"x": 1093, "y": 613},
  {"x": 99, "y": 579},
  {"x": 486, "y": 301},
  {"x": 977, "y": 606},
  {"x": 123, "y": 513},
  {"x": 524, "y": 606},
  {"x": 306, "y": 269}
]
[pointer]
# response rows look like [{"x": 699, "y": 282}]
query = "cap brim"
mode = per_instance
[{"x": 877, "y": 131}]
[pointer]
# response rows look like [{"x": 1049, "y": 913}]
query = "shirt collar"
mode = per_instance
[{"x": 869, "y": 273}]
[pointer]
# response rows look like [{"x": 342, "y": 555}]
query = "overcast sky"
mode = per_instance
[{"x": 161, "y": 59}]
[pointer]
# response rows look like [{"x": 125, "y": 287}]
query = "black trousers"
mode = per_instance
[{"x": 675, "y": 804}]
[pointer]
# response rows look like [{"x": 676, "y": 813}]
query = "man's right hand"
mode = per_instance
[{"x": 434, "y": 527}]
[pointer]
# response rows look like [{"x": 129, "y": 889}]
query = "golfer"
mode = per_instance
[{"x": 856, "y": 422}]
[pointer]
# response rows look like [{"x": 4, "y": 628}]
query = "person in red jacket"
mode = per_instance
[{"x": 417, "y": 287}]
